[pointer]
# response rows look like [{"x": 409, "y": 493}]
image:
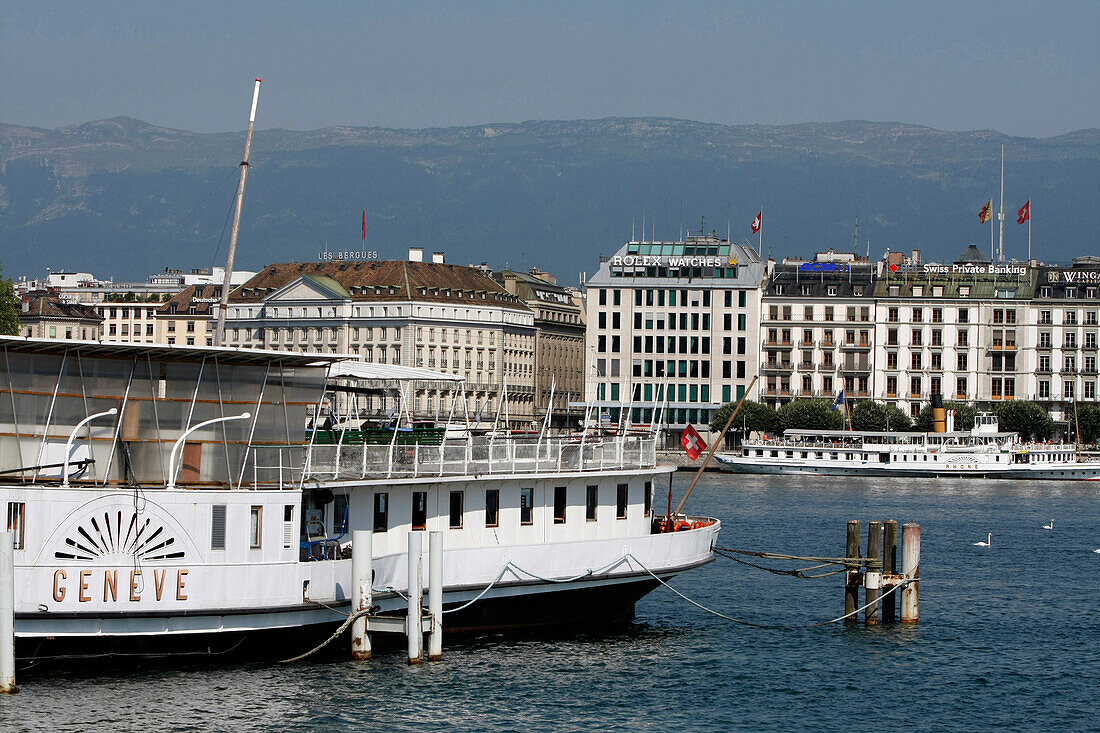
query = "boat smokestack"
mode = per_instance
[{"x": 939, "y": 415}]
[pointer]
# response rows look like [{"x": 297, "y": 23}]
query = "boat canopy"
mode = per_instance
[{"x": 852, "y": 434}]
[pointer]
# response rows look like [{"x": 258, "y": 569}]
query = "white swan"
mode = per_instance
[
  {"x": 1097, "y": 551},
  {"x": 1049, "y": 526},
  {"x": 987, "y": 543}
]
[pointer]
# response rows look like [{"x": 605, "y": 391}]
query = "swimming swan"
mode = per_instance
[
  {"x": 1049, "y": 526},
  {"x": 987, "y": 543}
]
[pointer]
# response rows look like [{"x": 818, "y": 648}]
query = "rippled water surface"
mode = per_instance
[{"x": 1009, "y": 638}]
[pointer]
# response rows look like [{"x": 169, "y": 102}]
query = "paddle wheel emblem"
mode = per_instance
[{"x": 123, "y": 535}]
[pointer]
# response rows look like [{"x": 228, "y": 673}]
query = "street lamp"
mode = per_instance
[
  {"x": 179, "y": 442},
  {"x": 72, "y": 437}
]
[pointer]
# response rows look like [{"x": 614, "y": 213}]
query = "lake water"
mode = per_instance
[{"x": 1009, "y": 638}]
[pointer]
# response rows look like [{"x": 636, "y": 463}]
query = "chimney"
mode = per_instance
[
  {"x": 916, "y": 257},
  {"x": 437, "y": 258},
  {"x": 416, "y": 254}
]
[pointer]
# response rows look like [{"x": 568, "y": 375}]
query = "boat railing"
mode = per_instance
[{"x": 480, "y": 456}]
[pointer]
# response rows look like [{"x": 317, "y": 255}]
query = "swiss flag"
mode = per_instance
[
  {"x": 756, "y": 224},
  {"x": 693, "y": 442},
  {"x": 1024, "y": 213}
]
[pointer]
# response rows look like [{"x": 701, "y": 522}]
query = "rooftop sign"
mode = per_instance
[
  {"x": 1073, "y": 276},
  {"x": 824, "y": 267},
  {"x": 673, "y": 261},
  {"x": 982, "y": 269}
]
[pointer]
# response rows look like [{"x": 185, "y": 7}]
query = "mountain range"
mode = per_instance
[{"x": 124, "y": 198}]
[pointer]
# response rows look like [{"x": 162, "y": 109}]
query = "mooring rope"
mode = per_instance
[
  {"x": 335, "y": 635},
  {"x": 902, "y": 583},
  {"x": 477, "y": 598}
]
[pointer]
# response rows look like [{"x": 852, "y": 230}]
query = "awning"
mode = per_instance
[{"x": 390, "y": 372}]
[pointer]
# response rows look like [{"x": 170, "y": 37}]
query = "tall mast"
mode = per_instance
[
  {"x": 219, "y": 331},
  {"x": 1001, "y": 216}
]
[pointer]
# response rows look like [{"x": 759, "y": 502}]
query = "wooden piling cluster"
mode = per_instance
[{"x": 878, "y": 572}]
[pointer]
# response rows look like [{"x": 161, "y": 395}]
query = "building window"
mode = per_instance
[
  {"x": 492, "y": 507},
  {"x": 419, "y": 509},
  {"x": 456, "y": 510},
  {"x": 17, "y": 521},
  {"x": 381, "y": 511},
  {"x": 340, "y": 509},
  {"x": 620, "y": 501},
  {"x": 217, "y": 527},
  {"x": 255, "y": 527},
  {"x": 526, "y": 502},
  {"x": 559, "y": 505},
  {"x": 648, "y": 497},
  {"x": 591, "y": 497}
]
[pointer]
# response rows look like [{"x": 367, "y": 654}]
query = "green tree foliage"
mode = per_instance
[
  {"x": 1088, "y": 422},
  {"x": 870, "y": 415},
  {"x": 1026, "y": 418},
  {"x": 811, "y": 415},
  {"x": 9, "y": 307},
  {"x": 754, "y": 416},
  {"x": 964, "y": 416}
]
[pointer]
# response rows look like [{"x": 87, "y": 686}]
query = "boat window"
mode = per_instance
[
  {"x": 456, "y": 510},
  {"x": 420, "y": 510},
  {"x": 492, "y": 507},
  {"x": 559, "y": 505},
  {"x": 17, "y": 520},
  {"x": 648, "y": 498},
  {"x": 590, "y": 499},
  {"x": 340, "y": 507},
  {"x": 381, "y": 511},
  {"x": 255, "y": 527},
  {"x": 217, "y": 526},
  {"x": 620, "y": 501},
  {"x": 526, "y": 501},
  {"x": 288, "y": 526}
]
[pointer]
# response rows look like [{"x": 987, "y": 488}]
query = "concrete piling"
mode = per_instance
[
  {"x": 7, "y": 612},
  {"x": 910, "y": 569},
  {"x": 362, "y": 566},
  {"x": 435, "y": 595},
  {"x": 414, "y": 624},
  {"x": 872, "y": 581}
]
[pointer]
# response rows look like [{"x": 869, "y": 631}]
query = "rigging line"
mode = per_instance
[{"x": 221, "y": 238}]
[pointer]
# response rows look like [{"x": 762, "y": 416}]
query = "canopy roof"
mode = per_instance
[
  {"x": 163, "y": 352},
  {"x": 391, "y": 372}
]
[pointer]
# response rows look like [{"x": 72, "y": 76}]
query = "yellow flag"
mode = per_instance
[{"x": 986, "y": 213}]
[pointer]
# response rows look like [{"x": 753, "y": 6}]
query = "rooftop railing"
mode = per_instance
[{"x": 481, "y": 456}]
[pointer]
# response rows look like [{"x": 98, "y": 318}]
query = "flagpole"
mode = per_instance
[
  {"x": 760, "y": 234},
  {"x": 1029, "y": 231},
  {"x": 992, "y": 242},
  {"x": 1001, "y": 216}
]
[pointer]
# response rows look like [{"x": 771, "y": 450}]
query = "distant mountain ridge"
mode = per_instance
[{"x": 125, "y": 198}]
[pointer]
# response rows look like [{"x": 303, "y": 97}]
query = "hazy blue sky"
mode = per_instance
[{"x": 1025, "y": 68}]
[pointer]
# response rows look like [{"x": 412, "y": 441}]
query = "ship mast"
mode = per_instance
[{"x": 219, "y": 331}]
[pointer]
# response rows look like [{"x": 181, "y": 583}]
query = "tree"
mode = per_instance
[
  {"x": 1026, "y": 418},
  {"x": 810, "y": 415},
  {"x": 964, "y": 416},
  {"x": 870, "y": 415},
  {"x": 9, "y": 307},
  {"x": 1087, "y": 422},
  {"x": 754, "y": 416}
]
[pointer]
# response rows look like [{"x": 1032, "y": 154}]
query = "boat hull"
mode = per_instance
[{"x": 736, "y": 464}]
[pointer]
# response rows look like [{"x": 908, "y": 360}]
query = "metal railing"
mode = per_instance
[{"x": 481, "y": 456}]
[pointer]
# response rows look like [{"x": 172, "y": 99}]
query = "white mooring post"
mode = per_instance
[
  {"x": 362, "y": 541},
  {"x": 910, "y": 569},
  {"x": 7, "y": 612},
  {"x": 435, "y": 595},
  {"x": 414, "y": 625}
]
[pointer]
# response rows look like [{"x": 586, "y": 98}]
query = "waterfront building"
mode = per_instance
[
  {"x": 84, "y": 287},
  {"x": 959, "y": 329},
  {"x": 188, "y": 316},
  {"x": 685, "y": 314},
  {"x": 817, "y": 328},
  {"x": 129, "y": 318},
  {"x": 559, "y": 340},
  {"x": 446, "y": 318},
  {"x": 1064, "y": 313},
  {"x": 44, "y": 315}
]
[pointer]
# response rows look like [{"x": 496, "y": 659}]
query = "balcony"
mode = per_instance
[
  {"x": 806, "y": 366},
  {"x": 776, "y": 344},
  {"x": 855, "y": 366},
  {"x": 807, "y": 343},
  {"x": 856, "y": 345},
  {"x": 777, "y": 366}
]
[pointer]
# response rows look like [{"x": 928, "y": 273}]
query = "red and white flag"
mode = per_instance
[
  {"x": 364, "y": 225},
  {"x": 1024, "y": 213},
  {"x": 756, "y": 222},
  {"x": 693, "y": 442}
]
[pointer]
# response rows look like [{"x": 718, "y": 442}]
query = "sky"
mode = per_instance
[{"x": 1029, "y": 69}]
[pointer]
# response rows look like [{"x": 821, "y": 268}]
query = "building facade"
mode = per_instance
[
  {"x": 44, "y": 315},
  {"x": 817, "y": 328},
  {"x": 559, "y": 341},
  {"x": 188, "y": 316},
  {"x": 682, "y": 315},
  {"x": 442, "y": 317}
]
